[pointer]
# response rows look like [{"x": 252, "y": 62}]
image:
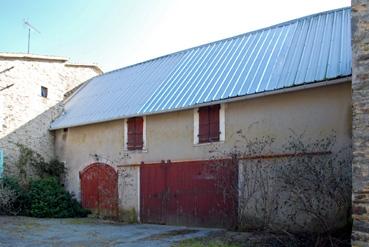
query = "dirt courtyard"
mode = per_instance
[{"x": 25, "y": 231}]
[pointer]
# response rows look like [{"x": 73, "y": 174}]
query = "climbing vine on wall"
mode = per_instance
[
  {"x": 38, "y": 190},
  {"x": 32, "y": 163}
]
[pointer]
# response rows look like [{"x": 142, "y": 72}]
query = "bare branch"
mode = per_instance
[{"x": 6, "y": 70}]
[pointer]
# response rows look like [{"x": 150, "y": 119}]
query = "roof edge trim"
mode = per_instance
[
  {"x": 26, "y": 56},
  {"x": 81, "y": 65}
]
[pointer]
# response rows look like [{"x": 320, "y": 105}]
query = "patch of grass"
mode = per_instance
[
  {"x": 90, "y": 220},
  {"x": 129, "y": 216},
  {"x": 31, "y": 225},
  {"x": 203, "y": 243},
  {"x": 79, "y": 221},
  {"x": 171, "y": 234}
]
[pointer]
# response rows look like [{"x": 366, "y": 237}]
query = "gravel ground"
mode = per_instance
[{"x": 25, "y": 231}]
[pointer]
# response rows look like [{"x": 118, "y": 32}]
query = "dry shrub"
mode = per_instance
[{"x": 8, "y": 198}]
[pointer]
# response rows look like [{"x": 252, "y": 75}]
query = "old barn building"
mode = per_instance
[{"x": 155, "y": 140}]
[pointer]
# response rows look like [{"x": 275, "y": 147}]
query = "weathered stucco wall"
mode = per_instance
[
  {"x": 295, "y": 193},
  {"x": 25, "y": 115},
  {"x": 312, "y": 112},
  {"x": 128, "y": 191},
  {"x": 360, "y": 96}
]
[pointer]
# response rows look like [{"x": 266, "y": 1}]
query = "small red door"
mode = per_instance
[{"x": 99, "y": 189}]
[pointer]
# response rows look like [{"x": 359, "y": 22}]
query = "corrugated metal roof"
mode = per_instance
[{"x": 306, "y": 50}]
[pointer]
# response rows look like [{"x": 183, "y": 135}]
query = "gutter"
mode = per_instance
[{"x": 228, "y": 100}]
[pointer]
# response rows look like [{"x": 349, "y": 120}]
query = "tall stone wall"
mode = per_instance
[
  {"x": 25, "y": 115},
  {"x": 360, "y": 99}
]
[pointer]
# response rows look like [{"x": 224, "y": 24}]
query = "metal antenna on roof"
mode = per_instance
[{"x": 30, "y": 28}]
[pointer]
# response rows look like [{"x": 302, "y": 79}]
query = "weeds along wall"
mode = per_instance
[{"x": 308, "y": 188}]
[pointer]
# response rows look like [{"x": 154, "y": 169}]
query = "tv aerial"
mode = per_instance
[{"x": 30, "y": 28}]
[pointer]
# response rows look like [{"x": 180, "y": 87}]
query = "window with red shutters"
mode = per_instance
[
  {"x": 135, "y": 133},
  {"x": 209, "y": 124}
]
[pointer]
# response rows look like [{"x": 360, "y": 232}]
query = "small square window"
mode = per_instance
[{"x": 44, "y": 91}]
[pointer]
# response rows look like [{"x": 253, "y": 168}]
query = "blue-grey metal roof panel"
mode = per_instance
[{"x": 306, "y": 50}]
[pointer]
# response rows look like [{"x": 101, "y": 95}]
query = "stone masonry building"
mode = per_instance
[
  {"x": 360, "y": 121},
  {"x": 31, "y": 89}
]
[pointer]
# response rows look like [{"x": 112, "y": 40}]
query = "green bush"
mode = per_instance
[
  {"x": 49, "y": 199},
  {"x": 7, "y": 200},
  {"x": 43, "y": 197},
  {"x": 53, "y": 168},
  {"x": 21, "y": 203}
]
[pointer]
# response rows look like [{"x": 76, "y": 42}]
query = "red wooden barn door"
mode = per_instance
[
  {"x": 99, "y": 189},
  {"x": 152, "y": 193},
  {"x": 198, "y": 193}
]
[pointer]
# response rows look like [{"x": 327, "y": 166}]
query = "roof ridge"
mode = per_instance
[{"x": 285, "y": 23}]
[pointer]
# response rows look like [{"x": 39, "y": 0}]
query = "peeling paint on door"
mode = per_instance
[
  {"x": 197, "y": 193},
  {"x": 99, "y": 190}
]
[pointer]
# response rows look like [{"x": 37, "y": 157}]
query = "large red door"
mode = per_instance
[
  {"x": 99, "y": 189},
  {"x": 197, "y": 193}
]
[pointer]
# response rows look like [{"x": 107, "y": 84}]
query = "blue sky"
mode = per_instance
[{"x": 117, "y": 33}]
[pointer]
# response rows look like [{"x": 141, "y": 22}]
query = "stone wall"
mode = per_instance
[
  {"x": 360, "y": 99},
  {"x": 24, "y": 114}
]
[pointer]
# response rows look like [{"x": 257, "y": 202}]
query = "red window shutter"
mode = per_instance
[
  {"x": 131, "y": 138},
  {"x": 139, "y": 133},
  {"x": 214, "y": 123},
  {"x": 203, "y": 124},
  {"x": 209, "y": 123},
  {"x": 135, "y": 133}
]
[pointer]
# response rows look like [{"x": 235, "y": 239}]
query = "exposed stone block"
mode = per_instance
[
  {"x": 359, "y": 210},
  {"x": 360, "y": 100}
]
